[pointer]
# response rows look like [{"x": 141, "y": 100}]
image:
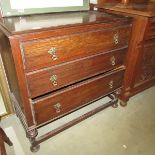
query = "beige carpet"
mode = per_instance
[{"x": 121, "y": 131}]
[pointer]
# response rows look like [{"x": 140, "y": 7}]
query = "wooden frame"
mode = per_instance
[
  {"x": 6, "y": 9},
  {"x": 4, "y": 90}
]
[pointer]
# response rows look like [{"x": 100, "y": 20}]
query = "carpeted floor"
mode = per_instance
[{"x": 123, "y": 131}]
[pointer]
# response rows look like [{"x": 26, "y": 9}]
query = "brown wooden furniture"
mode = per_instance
[
  {"x": 4, "y": 139},
  {"x": 140, "y": 71},
  {"x": 58, "y": 63}
]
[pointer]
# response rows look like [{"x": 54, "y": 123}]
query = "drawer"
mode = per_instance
[
  {"x": 74, "y": 97},
  {"x": 53, "y": 78},
  {"x": 41, "y": 53}
]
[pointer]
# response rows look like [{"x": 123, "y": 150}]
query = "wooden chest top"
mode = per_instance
[{"x": 37, "y": 23}]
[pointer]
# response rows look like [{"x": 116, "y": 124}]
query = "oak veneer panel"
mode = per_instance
[{"x": 101, "y": 2}]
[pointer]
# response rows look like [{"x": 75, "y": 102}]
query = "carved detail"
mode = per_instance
[{"x": 147, "y": 67}]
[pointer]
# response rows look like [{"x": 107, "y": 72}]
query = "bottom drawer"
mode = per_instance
[{"x": 73, "y": 97}]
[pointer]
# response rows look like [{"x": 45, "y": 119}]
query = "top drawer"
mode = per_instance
[{"x": 50, "y": 51}]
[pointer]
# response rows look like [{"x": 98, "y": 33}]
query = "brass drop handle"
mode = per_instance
[
  {"x": 111, "y": 84},
  {"x": 52, "y": 52},
  {"x": 113, "y": 60},
  {"x": 116, "y": 38},
  {"x": 53, "y": 79},
  {"x": 57, "y": 107}
]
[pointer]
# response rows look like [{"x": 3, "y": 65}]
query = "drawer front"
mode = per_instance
[
  {"x": 43, "y": 53},
  {"x": 59, "y": 76},
  {"x": 147, "y": 67},
  {"x": 71, "y": 98}
]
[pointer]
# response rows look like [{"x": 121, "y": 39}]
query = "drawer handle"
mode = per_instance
[
  {"x": 57, "y": 107},
  {"x": 111, "y": 84},
  {"x": 53, "y": 79},
  {"x": 116, "y": 38},
  {"x": 52, "y": 52},
  {"x": 113, "y": 61}
]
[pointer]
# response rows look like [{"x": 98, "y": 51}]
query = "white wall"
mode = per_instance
[
  {"x": 2, "y": 106},
  {"x": 93, "y": 1}
]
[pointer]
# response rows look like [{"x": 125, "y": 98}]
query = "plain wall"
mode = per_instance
[{"x": 93, "y": 1}]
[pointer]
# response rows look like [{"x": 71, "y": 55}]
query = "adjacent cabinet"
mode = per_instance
[
  {"x": 145, "y": 69},
  {"x": 140, "y": 63}
]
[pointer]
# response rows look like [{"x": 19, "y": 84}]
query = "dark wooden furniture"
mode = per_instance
[
  {"x": 140, "y": 71},
  {"x": 58, "y": 63},
  {"x": 4, "y": 139}
]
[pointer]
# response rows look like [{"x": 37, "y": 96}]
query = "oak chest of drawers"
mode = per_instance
[
  {"x": 58, "y": 63},
  {"x": 140, "y": 62}
]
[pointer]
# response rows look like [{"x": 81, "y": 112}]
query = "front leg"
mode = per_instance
[
  {"x": 32, "y": 137},
  {"x": 122, "y": 103},
  {"x": 115, "y": 100}
]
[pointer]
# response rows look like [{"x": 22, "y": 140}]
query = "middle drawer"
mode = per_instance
[{"x": 49, "y": 79}]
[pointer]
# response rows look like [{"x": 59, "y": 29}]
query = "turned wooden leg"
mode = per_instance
[
  {"x": 114, "y": 98},
  {"x": 16, "y": 112},
  {"x": 123, "y": 97},
  {"x": 32, "y": 137},
  {"x": 115, "y": 105},
  {"x": 122, "y": 103}
]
